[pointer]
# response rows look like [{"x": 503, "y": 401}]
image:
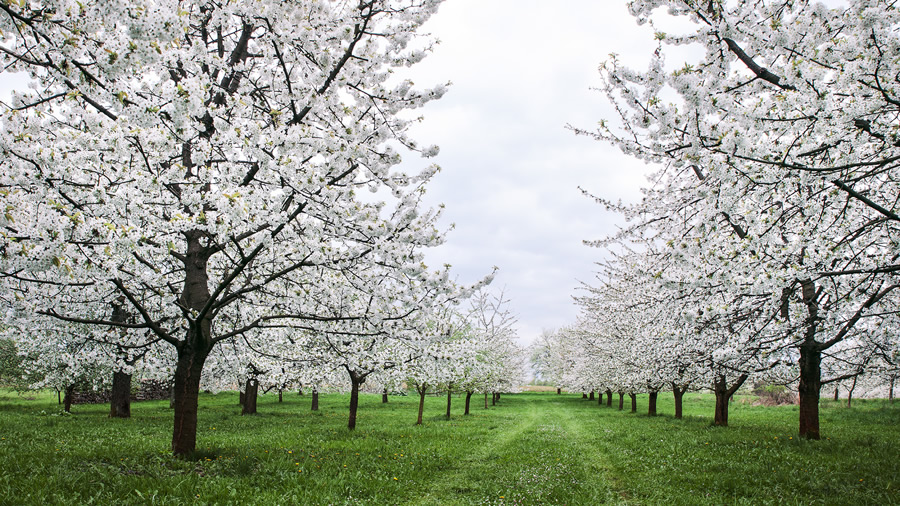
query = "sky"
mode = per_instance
[{"x": 521, "y": 70}]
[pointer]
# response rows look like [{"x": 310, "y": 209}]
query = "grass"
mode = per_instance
[{"x": 533, "y": 448}]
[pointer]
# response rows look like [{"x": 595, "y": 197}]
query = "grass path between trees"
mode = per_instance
[{"x": 534, "y": 448}]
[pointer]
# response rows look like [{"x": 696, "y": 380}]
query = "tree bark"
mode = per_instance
[
  {"x": 558, "y": 390},
  {"x": 485, "y": 400},
  {"x": 850, "y": 392},
  {"x": 449, "y": 398},
  {"x": 600, "y": 399},
  {"x": 608, "y": 398},
  {"x": 280, "y": 395},
  {"x": 251, "y": 389},
  {"x": 315, "y": 399},
  {"x": 621, "y": 400},
  {"x": 494, "y": 399},
  {"x": 468, "y": 398},
  {"x": 187, "y": 391},
  {"x": 69, "y": 398},
  {"x": 591, "y": 396},
  {"x": 120, "y": 396},
  {"x": 422, "y": 391},
  {"x": 384, "y": 396},
  {"x": 679, "y": 396},
  {"x": 651, "y": 403},
  {"x": 355, "y": 381},
  {"x": 723, "y": 394},
  {"x": 633, "y": 402},
  {"x": 808, "y": 389},
  {"x": 583, "y": 395},
  {"x": 836, "y": 396}
]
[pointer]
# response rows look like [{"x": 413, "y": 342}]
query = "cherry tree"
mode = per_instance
[
  {"x": 781, "y": 139},
  {"x": 204, "y": 161}
]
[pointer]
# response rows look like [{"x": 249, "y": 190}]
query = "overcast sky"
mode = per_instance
[{"x": 521, "y": 71}]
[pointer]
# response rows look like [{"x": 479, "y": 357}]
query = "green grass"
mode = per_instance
[{"x": 536, "y": 448}]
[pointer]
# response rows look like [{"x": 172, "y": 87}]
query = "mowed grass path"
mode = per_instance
[{"x": 538, "y": 448}]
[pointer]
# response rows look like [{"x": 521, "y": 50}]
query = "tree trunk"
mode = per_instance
[
  {"x": 187, "y": 392},
  {"x": 591, "y": 396},
  {"x": 120, "y": 396},
  {"x": 59, "y": 395},
  {"x": 280, "y": 394},
  {"x": 583, "y": 395},
  {"x": 723, "y": 394},
  {"x": 679, "y": 396},
  {"x": 600, "y": 399},
  {"x": 621, "y": 400},
  {"x": 252, "y": 392},
  {"x": 384, "y": 396},
  {"x": 891, "y": 390},
  {"x": 651, "y": 403},
  {"x": 808, "y": 389},
  {"x": 468, "y": 398},
  {"x": 608, "y": 398},
  {"x": 633, "y": 402},
  {"x": 558, "y": 390},
  {"x": 69, "y": 398},
  {"x": 422, "y": 403},
  {"x": 355, "y": 381},
  {"x": 836, "y": 396},
  {"x": 494, "y": 399},
  {"x": 850, "y": 392},
  {"x": 485, "y": 401},
  {"x": 449, "y": 398},
  {"x": 315, "y": 399}
]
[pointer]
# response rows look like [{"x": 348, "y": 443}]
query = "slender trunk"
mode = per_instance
[
  {"x": 120, "y": 396},
  {"x": 836, "y": 396},
  {"x": 850, "y": 392},
  {"x": 250, "y": 396},
  {"x": 600, "y": 399},
  {"x": 187, "y": 392},
  {"x": 69, "y": 398},
  {"x": 421, "y": 391},
  {"x": 59, "y": 395},
  {"x": 608, "y": 398},
  {"x": 679, "y": 395},
  {"x": 591, "y": 396},
  {"x": 280, "y": 395},
  {"x": 651, "y": 403},
  {"x": 891, "y": 390},
  {"x": 633, "y": 402},
  {"x": 494, "y": 399},
  {"x": 384, "y": 396},
  {"x": 583, "y": 395},
  {"x": 355, "y": 381},
  {"x": 315, "y": 399},
  {"x": 468, "y": 398},
  {"x": 485, "y": 401},
  {"x": 621, "y": 400},
  {"x": 558, "y": 390},
  {"x": 808, "y": 389},
  {"x": 449, "y": 398}
]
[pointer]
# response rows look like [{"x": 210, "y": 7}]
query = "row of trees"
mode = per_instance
[
  {"x": 767, "y": 242},
  {"x": 185, "y": 192}
]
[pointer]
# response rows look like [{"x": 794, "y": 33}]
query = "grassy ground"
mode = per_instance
[{"x": 533, "y": 448}]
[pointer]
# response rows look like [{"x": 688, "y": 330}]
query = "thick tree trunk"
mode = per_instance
[
  {"x": 468, "y": 398},
  {"x": 187, "y": 391},
  {"x": 591, "y": 396},
  {"x": 355, "y": 381},
  {"x": 251, "y": 389},
  {"x": 583, "y": 395},
  {"x": 120, "y": 396},
  {"x": 679, "y": 396},
  {"x": 621, "y": 400},
  {"x": 315, "y": 399},
  {"x": 651, "y": 403},
  {"x": 422, "y": 403},
  {"x": 633, "y": 402},
  {"x": 384, "y": 396},
  {"x": 449, "y": 398},
  {"x": 808, "y": 389},
  {"x": 69, "y": 398},
  {"x": 608, "y": 398},
  {"x": 723, "y": 394}
]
